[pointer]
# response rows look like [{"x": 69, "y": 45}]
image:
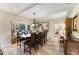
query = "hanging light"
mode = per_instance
[
  {"x": 34, "y": 22},
  {"x": 34, "y": 17}
]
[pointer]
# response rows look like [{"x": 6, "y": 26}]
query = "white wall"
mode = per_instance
[
  {"x": 5, "y": 26},
  {"x": 51, "y": 25},
  {"x": 75, "y": 10}
]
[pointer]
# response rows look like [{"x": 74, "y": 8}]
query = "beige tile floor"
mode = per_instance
[{"x": 51, "y": 48}]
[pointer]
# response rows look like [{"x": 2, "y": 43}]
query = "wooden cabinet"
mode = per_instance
[
  {"x": 14, "y": 38},
  {"x": 68, "y": 27}
]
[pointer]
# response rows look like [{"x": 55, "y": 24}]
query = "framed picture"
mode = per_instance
[
  {"x": 45, "y": 25},
  {"x": 75, "y": 23}
]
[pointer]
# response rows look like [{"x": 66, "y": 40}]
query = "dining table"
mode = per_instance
[{"x": 24, "y": 37}]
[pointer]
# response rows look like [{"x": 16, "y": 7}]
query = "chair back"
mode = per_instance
[
  {"x": 45, "y": 33},
  {"x": 40, "y": 35},
  {"x": 18, "y": 36},
  {"x": 33, "y": 38}
]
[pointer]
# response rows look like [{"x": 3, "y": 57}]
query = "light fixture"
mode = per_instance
[{"x": 34, "y": 23}]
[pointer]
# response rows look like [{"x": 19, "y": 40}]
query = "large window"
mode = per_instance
[{"x": 20, "y": 27}]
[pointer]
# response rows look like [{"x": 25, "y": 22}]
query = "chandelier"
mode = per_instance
[
  {"x": 34, "y": 22},
  {"x": 34, "y": 17}
]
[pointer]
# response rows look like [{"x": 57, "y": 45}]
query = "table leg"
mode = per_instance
[
  {"x": 24, "y": 47},
  {"x": 30, "y": 49},
  {"x": 20, "y": 44}
]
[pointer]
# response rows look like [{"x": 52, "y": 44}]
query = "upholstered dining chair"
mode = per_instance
[
  {"x": 45, "y": 36},
  {"x": 40, "y": 38},
  {"x": 20, "y": 40},
  {"x": 31, "y": 43}
]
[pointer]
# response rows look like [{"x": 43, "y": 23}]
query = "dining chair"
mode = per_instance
[
  {"x": 61, "y": 41},
  {"x": 40, "y": 39},
  {"x": 31, "y": 44},
  {"x": 20, "y": 40},
  {"x": 45, "y": 36}
]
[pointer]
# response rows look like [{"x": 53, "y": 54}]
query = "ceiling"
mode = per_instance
[{"x": 42, "y": 10}]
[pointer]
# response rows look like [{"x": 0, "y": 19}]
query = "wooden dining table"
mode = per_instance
[{"x": 24, "y": 37}]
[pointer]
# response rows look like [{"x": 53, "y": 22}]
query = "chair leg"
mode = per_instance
[
  {"x": 17, "y": 42},
  {"x": 36, "y": 48},
  {"x": 37, "y": 45},
  {"x": 20, "y": 44},
  {"x": 24, "y": 47},
  {"x": 41, "y": 44},
  {"x": 30, "y": 50},
  {"x": 44, "y": 41}
]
